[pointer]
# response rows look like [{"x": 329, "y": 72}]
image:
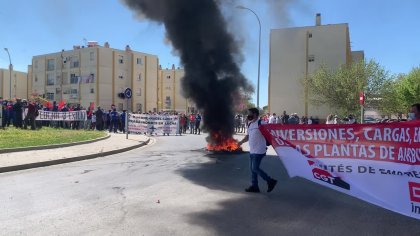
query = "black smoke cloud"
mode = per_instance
[{"x": 209, "y": 54}]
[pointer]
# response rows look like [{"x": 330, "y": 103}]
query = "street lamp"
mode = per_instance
[
  {"x": 259, "y": 52},
  {"x": 10, "y": 70}
]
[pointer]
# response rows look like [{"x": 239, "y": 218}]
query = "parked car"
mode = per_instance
[{"x": 369, "y": 120}]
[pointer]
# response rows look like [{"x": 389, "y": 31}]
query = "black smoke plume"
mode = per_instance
[{"x": 208, "y": 53}]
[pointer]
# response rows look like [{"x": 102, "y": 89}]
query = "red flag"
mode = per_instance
[
  {"x": 92, "y": 106},
  {"x": 61, "y": 105},
  {"x": 48, "y": 104}
]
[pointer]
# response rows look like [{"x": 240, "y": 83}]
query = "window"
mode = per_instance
[
  {"x": 91, "y": 78},
  {"x": 74, "y": 79},
  {"x": 120, "y": 77},
  {"x": 168, "y": 77},
  {"x": 92, "y": 90},
  {"x": 139, "y": 107},
  {"x": 168, "y": 102},
  {"x": 50, "y": 64},
  {"x": 92, "y": 56},
  {"x": 311, "y": 58},
  {"x": 74, "y": 93},
  {"x": 138, "y": 92},
  {"x": 168, "y": 87},
  {"x": 139, "y": 61},
  {"x": 36, "y": 64},
  {"x": 121, "y": 59},
  {"x": 36, "y": 78},
  {"x": 50, "y": 79},
  {"x": 309, "y": 35},
  {"x": 139, "y": 77},
  {"x": 50, "y": 96},
  {"x": 74, "y": 62}
]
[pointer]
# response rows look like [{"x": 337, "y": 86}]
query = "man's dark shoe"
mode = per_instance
[
  {"x": 252, "y": 189},
  {"x": 271, "y": 184}
]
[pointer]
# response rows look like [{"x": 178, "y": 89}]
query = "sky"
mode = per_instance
[{"x": 388, "y": 31}]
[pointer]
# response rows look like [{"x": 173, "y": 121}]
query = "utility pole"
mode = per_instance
[{"x": 10, "y": 75}]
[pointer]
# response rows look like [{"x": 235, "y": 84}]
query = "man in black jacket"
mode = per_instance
[{"x": 99, "y": 119}]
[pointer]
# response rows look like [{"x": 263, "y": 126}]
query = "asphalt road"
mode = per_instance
[{"x": 172, "y": 187}]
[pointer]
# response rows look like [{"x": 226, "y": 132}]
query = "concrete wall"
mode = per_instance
[
  {"x": 138, "y": 87},
  {"x": 151, "y": 63},
  {"x": 113, "y": 71},
  {"x": 19, "y": 84},
  {"x": 170, "y": 87},
  {"x": 296, "y": 53}
]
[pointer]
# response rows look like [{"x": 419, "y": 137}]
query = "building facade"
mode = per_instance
[
  {"x": 19, "y": 88},
  {"x": 295, "y": 53},
  {"x": 170, "y": 96},
  {"x": 101, "y": 75}
]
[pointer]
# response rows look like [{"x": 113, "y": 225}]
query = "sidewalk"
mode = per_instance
[{"x": 116, "y": 143}]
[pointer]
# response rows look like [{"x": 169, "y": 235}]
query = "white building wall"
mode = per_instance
[{"x": 297, "y": 51}]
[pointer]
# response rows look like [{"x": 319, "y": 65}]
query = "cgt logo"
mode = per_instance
[
  {"x": 326, "y": 177},
  {"x": 414, "y": 191}
]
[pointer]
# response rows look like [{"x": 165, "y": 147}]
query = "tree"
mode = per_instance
[
  {"x": 390, "y": 102},
  {"x": 408, "y": 89},
  {"x": 340, "y": 88}
]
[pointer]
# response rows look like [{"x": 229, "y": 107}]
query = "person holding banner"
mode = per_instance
[
  {"x": 415, "y": 112},
  {"x": 257, "y": 151},
  {"x": 18, "y": 110},
  {"x": 30, "y": 117}
]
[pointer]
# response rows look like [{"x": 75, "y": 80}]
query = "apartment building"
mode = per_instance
[
  {"x": 101, "y": 74},
  {"x": 97, "y": 74},
  {"x": 297, "y": 52},
  {"x": 170, "y": 96},
  {"x": 19, "y": 82}
]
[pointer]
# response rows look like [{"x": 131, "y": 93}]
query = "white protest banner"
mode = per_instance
[
  {"x": 158, "y": 124},
  {"x": 62, "y": 116},
  {"x": 378, "y": 163}
]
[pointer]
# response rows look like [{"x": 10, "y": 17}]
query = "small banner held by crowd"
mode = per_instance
[
  {"x": 62, "y": 116},
  {"x": 153, "y": 124},
  {"x": 378, "y": 163}
]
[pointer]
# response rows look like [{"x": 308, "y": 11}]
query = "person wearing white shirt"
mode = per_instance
[
  {"x": 273, "y": 119},
  {"x": 310, "y": 121},
  {"x": 257, "y": 151}
]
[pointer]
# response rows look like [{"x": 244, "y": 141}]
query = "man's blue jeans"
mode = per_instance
[{"x": 254, "y": 164}]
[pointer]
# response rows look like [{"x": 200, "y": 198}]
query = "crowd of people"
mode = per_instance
[
  {"x": 22, "y": 113},
  {"x": 19, "y": 113},
  {"x": 240, "y": 120}
]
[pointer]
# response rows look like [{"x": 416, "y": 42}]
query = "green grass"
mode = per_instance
[{"x": 14, "y": 138}]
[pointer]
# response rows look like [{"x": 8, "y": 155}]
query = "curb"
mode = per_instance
[
  {"x": 71, "y": 159},
  {"x": 52, "y": 146}
]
